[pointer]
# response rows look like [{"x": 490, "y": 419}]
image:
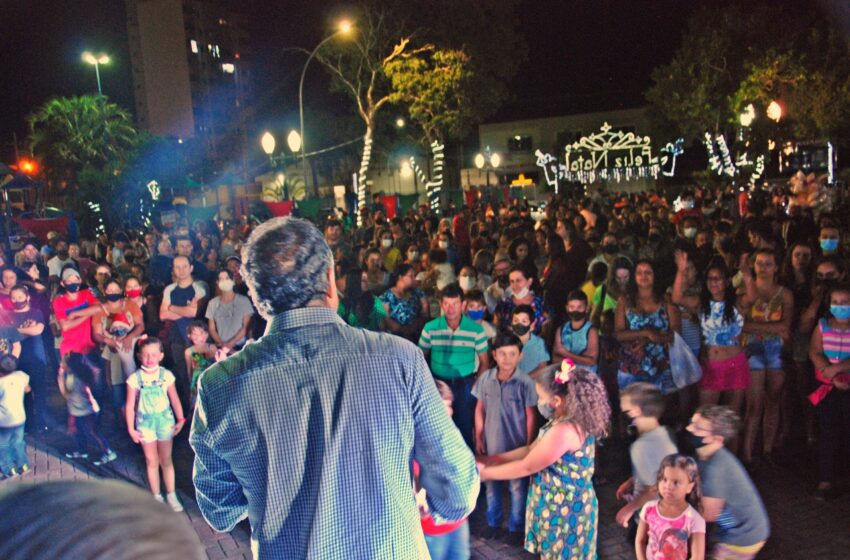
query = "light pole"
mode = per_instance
[
  {"x": 343, "y": 28},
  {"x": 268, "y": 143},
  {"x": 96, "y": 61},
  {"x": 490, "y": 160}
]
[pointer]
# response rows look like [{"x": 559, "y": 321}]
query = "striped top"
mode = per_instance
[
  {"x": 836, "y": 343},
  {"x": 453, "y": 351}
]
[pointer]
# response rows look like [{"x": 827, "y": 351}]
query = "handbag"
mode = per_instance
[{"x": 683, "y": 364}]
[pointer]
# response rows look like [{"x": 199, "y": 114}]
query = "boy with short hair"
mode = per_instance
[
  {"x": 534, "y": 354},
  {"x": 577, "y": 338},
  {"x": 505, "y": 420},
  {"x": 643, "y": 403},
  {"x": 475, "y": 307},
  {"x": 13, "y": 448},
  {"x": 450, "y": 540}
]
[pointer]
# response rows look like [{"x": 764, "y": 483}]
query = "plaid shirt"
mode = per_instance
[{"x": 310, "y": 433}]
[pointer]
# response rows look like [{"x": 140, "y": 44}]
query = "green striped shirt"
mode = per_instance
[{"x": 453, "y": 351}]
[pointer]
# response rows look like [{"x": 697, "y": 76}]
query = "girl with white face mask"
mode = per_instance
[{"x": 468, "y": 279}]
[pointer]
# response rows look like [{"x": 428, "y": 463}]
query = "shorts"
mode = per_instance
[
  {"x": 723, "y": 551},
  {"x": 156, "y": 427},
  {"x": 764, "y": 354},
  {"x": 730, "y": 374}
]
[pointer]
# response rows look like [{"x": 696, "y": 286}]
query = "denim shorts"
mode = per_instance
[
  {"x": 156, "y": 427},
  {"x": 764, "y": 354}
]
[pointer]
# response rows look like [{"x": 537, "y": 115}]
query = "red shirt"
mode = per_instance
[
  {"x": 76, "y": 339},
  {"x": 429, "y": 527}
]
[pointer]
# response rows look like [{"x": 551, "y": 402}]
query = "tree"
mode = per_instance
[{"x": 83, "y": 144}]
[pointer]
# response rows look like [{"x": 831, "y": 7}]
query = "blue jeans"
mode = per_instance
[
  {"x": 518, "y": 492},
  {"x": 13, "y": 449},
  {"x": 463, "y": 406},
  {"x": 451, "y": 546}
]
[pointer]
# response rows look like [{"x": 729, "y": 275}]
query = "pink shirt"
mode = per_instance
[{"x": 668, "y": 538}]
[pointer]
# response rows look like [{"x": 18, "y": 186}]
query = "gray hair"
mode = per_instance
[
  {"x": 724, "y": 421},
  {"x": 285, "y": 264}
]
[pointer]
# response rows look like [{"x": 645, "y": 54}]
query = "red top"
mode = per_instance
[
  {"x": 76, "y": 339},
  {"x": 429, "y": 527}
]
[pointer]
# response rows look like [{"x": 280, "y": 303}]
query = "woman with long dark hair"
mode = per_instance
[
  {"x": 357, "y": 306},
  {"x": 405, "y": 304}
]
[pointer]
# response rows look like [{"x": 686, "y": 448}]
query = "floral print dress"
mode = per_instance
[
  {"x": 560, "y": 517},
  {"x": 646, "y": 361}
]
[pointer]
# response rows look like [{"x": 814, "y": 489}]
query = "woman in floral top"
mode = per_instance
[{"x": 406, "y": 305}]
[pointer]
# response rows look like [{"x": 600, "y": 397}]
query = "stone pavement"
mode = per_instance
[{"x": 802, "y": 528}]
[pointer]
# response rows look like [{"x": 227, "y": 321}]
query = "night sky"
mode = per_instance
[{"x": 582, "y": 56}]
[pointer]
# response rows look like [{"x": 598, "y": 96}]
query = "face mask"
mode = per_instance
[
  {"x": 840, "y": 312},
  {"x": 150, "y": 369},
  {"x": 690, "y": 232},
  {"x": 829, "y": 245},
  {"x": 521, "y": 330},
  {"x": 522, "y": 293},
  {"x": 694, "y": 440},
  {"x": 443, "y": 244},
  {"x": 629, "y": 422},
  {"x": 133, "y": 293},
  {"x": 467, "y": 283},
  {"x": 386, "y": 243},
  {"x": 546, "y": 410},
  {"x": 577, "y": 316},
  {"x": 503, "y": 280},
  {"x": 19, "y": 304},
  {"x": 73, "y": 288},
  {"x": 63, "y": 255},
  {"x": 225, "y": 285},
  {"x": 727, "y": 244},
  {"x": 475, "y": 315},
  {"x": 413, "y": 255},
  {"x": 610, "y": 249},
  {"x": 113, "y": 297},
  {"x": 120, "y": 332}
]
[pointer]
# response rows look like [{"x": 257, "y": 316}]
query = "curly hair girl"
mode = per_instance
[{"x": 585, "y": 400}]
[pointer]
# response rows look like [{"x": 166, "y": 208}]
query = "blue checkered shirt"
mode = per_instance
[{"x": 310, "y": 433}]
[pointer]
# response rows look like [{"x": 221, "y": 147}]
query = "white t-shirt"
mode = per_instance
[{"x": 12, "y": 389}]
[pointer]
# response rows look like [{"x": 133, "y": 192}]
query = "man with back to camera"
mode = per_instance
[{"x": 310, "y": 432}]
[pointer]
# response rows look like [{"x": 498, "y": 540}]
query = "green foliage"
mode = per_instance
[
  {"x": 755, "y": 54},
  {"x": 434, "y": 85}
]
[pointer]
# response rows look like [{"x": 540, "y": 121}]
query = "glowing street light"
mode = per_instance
[
  {"x": 344, "y": 27},
  {"x": 293, "y": 140},
  {"x": 268, "y": 143},
  {"x": 406, "y": 170},
  {"x": 399, "y": 123},
  {"x": 774, "y": 111},
  {"x": 489, "y": 161},
  {"x": 96, "y": 61},
  {"x": 495, "y": 160},
  {"x": 748, "y": 116},
  {"x": 480, "y": 161}
]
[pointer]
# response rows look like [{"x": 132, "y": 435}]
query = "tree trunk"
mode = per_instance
[
  {"x": 434, "y": 184},
  {"x": 365, "y": 159}
]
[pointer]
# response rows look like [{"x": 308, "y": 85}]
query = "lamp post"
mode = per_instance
[
  {"x": 268, "y": 143},
  {"x": 488, "y": 160},
  {"x": 343, "y": 28},
  {"x": 96, "y": 61}
]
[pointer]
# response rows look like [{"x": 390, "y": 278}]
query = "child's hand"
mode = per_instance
[
  {"x": 221, "y": 354},
  {"x": 136, "y": 435},
  {"x": 624, "y": 489},
  {"x": 178, "y": 426}
]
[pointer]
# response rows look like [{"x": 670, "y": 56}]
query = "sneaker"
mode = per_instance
[
  {"x": 174, "y": 502},
  {"x": 13, "y": 473},
  {"x": 159, "y": 498},
  {"x": 77, "y": 455},
  {"x": 107, "y": 457}
]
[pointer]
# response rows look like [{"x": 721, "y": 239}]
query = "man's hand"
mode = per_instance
[
  {"x": 624, "y": 489},
  {"x": 624, "y": 515}
]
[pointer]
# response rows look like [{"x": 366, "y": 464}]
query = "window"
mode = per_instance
[
  {"x": 519, "y": 144},
  {"x": 194, "y": 44}
]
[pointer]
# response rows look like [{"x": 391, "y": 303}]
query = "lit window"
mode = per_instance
[
  {"x": 194, "y": 44},
  {"x": 228, "y": 68},
  {"x": 519, "y": 144}
]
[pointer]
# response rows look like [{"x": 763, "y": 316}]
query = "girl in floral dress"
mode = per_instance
[{"x": 561, "y": 512}]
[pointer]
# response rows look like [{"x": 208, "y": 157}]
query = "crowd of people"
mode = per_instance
[{"x": 534, "y": 328}]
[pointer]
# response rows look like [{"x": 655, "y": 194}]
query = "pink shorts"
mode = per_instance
[{"x": 725, "y": 375}]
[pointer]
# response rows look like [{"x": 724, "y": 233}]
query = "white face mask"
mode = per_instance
[
  {"x": 467, "y": 283},
  {"x": 690, "y": 232},
  {"x": 386, "y": 243},
  {"x": 443, "y": 244},
  {"x": 522, "y": 293},
  {"x": 225, "y": 285}
]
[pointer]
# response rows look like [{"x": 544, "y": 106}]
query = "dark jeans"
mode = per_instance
[
  {"x": 833, "y": 414},
  {"x": 87, "y": 430},
  {"x": 178, "y": 367},
  {"x": 518, "y": 494},
  {"x": 463, "y": 406},
  {"x": 36, "y": 400}
]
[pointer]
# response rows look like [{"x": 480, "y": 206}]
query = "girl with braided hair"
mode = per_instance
[{"x": 561, "y": 513}]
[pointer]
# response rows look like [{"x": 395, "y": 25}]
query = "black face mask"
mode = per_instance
[
  {"x": 521, "y": 330},
  {"x": 72, "y": 288},
  {"x": 62, "y": 255},
  {"x": 629, "y": 422},
  {"x": 694, "y": 440},
  {"x": 113, "y": 297},
  {"x": 19, "y": 304},
  {"x": 577, "y": 316},
  {"x": 610, "y": 249},
  {"x": 503, "y": 280}
]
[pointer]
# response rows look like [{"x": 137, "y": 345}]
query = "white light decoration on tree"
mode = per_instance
[
  {"x": 607, "y": 155},
  {"x": 153, "y": 188},
  {"x": 435, "y": 183},
  {"x": 361, "y": 178},
  {"x": 719, "y": 158}
]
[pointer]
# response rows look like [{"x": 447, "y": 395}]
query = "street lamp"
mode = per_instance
[
  {"x": 268, "y": 143},
  {"x": 489, "y": 161},
  {"x": 96, "y": 61},
  {"x": 774, "y": 111},
  {"x": 748, "y": 116},
  {"x": 343, "y": 28}
]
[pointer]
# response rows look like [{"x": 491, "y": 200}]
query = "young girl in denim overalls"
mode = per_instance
[{"x": 152, "y": 423}]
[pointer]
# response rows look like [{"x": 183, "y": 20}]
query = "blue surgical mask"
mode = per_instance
[
  {"x": 546, "y": 410},
  {"x": 840, "y": 312},
  {"x": 476, "y": 315},
  {"x": 829, "y": 245}
]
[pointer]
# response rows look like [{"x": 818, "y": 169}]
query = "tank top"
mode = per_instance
[
  {"x": 716, "y": 332},
  {"x": 575, "y": 341},
  {"x": 836, "y": 343}
]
